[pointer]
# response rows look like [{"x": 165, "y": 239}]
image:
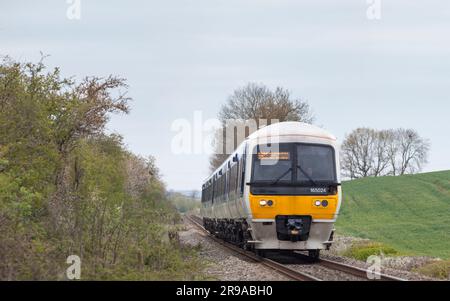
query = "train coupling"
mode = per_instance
[{"x": 293, "y": 227}]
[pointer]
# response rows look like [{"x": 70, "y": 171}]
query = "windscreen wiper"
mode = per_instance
[
  {"x": 280, "y": 177},
  {"x": 306, "y": 174}
]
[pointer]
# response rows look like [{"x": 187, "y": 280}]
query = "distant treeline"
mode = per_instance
[
  {"x": 185, "y": 202},
  {"x": 68, "y": 188},
  {"x": 366, "y": 152}
]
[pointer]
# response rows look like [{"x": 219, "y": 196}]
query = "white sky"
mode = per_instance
[{"x": 182, "y": 56}]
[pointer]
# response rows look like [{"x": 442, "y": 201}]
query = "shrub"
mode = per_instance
[
  {"x": 68, "y": 188},
  {"x": 438, "y": 269},
  {"x": 362, "y": 251}
]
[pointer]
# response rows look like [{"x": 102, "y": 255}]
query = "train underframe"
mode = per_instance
[
  {"x": 285, "y": 234},
  {"x": 235, "y": 231}
]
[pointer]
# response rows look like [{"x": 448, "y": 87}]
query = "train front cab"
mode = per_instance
[{"x": 293, "y": 193}]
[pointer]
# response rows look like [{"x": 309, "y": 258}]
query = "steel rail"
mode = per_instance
[
  {"x": 349, "y": 269},
  {"x": 356, "y": 271}
]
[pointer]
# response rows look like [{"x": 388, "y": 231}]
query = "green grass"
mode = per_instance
[{"x": 410, "y": 213}]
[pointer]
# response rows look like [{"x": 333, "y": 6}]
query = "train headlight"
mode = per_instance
[
  {"x": 270, "y": 202},
  {"x": 317, "y": 203},
  {"x": 262, "y": 202},
  {"x": 324, "y": 203}
]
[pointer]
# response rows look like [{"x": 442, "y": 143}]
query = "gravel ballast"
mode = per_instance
[
  {"x": 223, "y": 264},
  {"x": 398, "y": 266}
]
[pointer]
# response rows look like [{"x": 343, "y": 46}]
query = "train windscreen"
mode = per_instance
[
  {"x": 292, "y": 168},
  {"x": 315, "y": 162}
]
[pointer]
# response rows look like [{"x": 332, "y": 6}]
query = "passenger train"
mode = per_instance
[{"x": 279, "y": 190}]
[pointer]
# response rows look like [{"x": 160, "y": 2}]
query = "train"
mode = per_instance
[{"x": 278, "y": 191}]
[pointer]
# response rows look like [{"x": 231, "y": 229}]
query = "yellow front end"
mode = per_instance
[{"x": 294, "y": 205}]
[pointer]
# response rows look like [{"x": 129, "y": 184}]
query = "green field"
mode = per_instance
[{"x": 410, "y": 213}]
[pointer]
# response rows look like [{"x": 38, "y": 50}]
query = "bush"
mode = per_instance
[
  {"x": 68, "y": 188},
  {"x": 438, "y": 269},
  {"x": 362, "y": 251}
]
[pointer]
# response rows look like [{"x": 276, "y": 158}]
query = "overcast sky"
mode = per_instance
[{"x": 183, "y": 56}]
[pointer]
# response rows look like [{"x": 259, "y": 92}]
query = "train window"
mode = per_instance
[
  {"x": 217, "y": 191},
  {"x": 214, "y": 190},
  {"x": 242, "y": 174},
  {"x": 203, "y": 194},
  {"x": 210, "y": 193},
  {"x": 224, "y": 186},
  {"x": 296, "y": 167},
  {"x": 221, "y": 188},
  {"x": 227, "y": 182},
  {"x": 225, "y": 179},
  {"x": 236, "y": 176},
  {"x": 239, "y": 164},
  {"x": 315, "y": 162},
  {"x": 232, "y": 181},
  {"x": 273, "y": 163}
]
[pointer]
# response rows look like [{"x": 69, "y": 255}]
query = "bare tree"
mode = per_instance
[
  {"x": 392, "y": 151},
  {"x": 255, "y": 103},
  {"x": 367, "y": 152},
  {"x": 381, "y": 153},
  {"x": 412, "y": 151},
  {"x": 357, "y": 154}
]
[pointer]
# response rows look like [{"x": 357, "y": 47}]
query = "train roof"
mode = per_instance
[
  {"x": 286, "y": 128},
  {"x": 291, "y": 128}
]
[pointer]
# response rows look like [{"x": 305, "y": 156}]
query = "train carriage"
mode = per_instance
[{"x": 279, "y": 190}]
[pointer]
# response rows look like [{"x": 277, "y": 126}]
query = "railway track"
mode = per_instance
[
  {"x": 349, "y": 269},
  {"x": 280, "y": 268},
  {"x": 288, "y": 271}
]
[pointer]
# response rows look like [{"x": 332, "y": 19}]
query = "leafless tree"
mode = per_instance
[
  {"x": 392, "y": 151},
  {"x": 412, "y": 151},
  {"x": 357, "y": 154},
  {"x": 368, "y": 152},
  {"x": 257, "y": 101},
  {"x": 381, "y": 153},
  {"x": 258, "y": 104}
]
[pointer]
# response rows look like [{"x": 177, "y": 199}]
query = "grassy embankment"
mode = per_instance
[
  {"x": 410, "y": 213},
  {"x": 405, "y": 215}
]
